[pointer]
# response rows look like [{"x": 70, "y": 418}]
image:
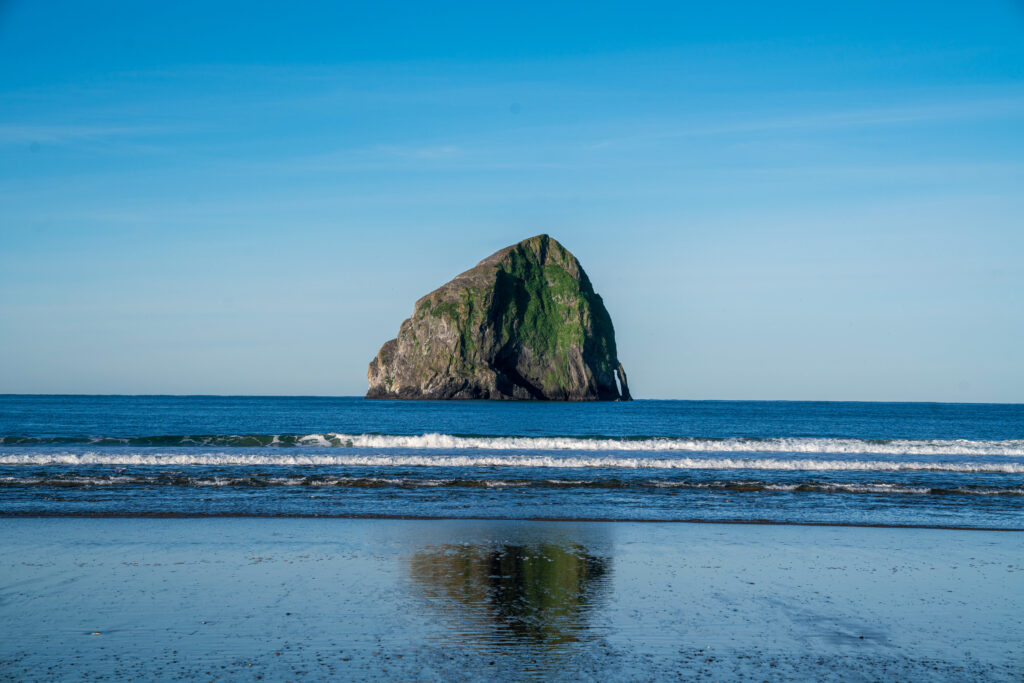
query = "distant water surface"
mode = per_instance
[{"x": 924, "y": 464}]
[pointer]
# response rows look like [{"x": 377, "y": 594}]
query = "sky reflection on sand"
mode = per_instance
[{"x": 471, "y": 599}]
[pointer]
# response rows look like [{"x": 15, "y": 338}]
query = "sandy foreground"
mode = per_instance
[{"x": 308, "y": 599}]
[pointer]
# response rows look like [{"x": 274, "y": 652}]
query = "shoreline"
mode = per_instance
[{"x": 481, "y": 518}]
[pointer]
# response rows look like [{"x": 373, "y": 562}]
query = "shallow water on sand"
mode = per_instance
[{"x": 464, "y": 599}]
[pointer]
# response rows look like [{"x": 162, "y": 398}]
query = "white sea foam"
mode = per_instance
[
  {"x": 435, "y": 441},
  {"x": 551, "y": 461},
  {"x": 693, "y": 445}
]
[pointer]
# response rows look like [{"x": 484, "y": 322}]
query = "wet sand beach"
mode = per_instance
[{"x": 305, "y": 599}]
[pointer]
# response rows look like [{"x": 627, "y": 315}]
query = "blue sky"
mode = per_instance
[{"x": 807, "y": 202}]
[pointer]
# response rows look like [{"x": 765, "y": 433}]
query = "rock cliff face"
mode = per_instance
[{"x": 525, "y": 323}]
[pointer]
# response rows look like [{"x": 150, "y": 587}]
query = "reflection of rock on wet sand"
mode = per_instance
[{"x": 539, "y": 592}]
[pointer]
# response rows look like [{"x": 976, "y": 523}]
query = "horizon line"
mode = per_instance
[{"x": 356, "y": 396}]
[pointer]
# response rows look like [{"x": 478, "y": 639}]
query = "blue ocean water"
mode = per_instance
[{"x": 929, "y": 464}]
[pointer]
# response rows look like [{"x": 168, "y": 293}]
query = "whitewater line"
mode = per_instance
[
  {"x": 436, "y": 441},
  {"x": 527, "y": 461}
]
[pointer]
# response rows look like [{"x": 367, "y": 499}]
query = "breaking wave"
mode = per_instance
[
  {"x": 796, "y": 445},
  {"x": 527, "y": 461}
]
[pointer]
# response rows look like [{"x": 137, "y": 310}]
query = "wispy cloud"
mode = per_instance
[
  {"x": 420, "y": 152},
  {"x": 25, "y": 134},
  {"x": 849, "y": 118}
]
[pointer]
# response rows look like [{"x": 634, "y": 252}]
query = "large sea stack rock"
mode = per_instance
[{"x": 525, "y": 323}]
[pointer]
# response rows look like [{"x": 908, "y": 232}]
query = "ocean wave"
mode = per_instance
[
  {"x": 434, "y": 441},
  {"x": 733, "y": 486},
  {"x": 530, "y": 461}
]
